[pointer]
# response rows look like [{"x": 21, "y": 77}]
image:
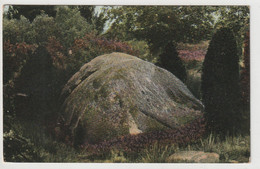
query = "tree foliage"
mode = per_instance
[
  {"x": 237, "y": 18},
  {"x": 17, "y": 31},
  {"x": 220, "y": 83},
  {"x": 86, "y": 11},
  {"x": 233, "y": 17},
  {"x": 30, "y": 11},
  {"x": 69, "y": 27},
  {"x": 160, "y": 24}
]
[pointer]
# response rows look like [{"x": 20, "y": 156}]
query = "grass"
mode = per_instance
[
  {"x": 230, "y": 150},
  {"x": 157, "y": 153}
]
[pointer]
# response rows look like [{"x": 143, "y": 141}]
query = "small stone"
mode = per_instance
[
  {"x": 193, "y": 157},
  {"x": 233, "y": 161}
]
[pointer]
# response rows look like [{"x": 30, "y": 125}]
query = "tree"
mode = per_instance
[
  {"x": 234, "y": 17},
  {"x": 170, "y": 61},
  {"x": 17, "y": 31},
  {"x": 160, "y": 24},
  {"x": 71, "y": 25},
  {"x": 220, "y": 83},
  {"x": 97, "y": 19},
  {"x": 85, "y": 11},
  {"x": 30, "y": 11}
]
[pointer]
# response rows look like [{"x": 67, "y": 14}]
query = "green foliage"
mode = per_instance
[
  {"x": 142, "y": 50},
  {"x": 71, "y": 25},
  {"x": 231, "y": 149},
  {"x": 220, "y": 84},
  {"x": 41, "y": 26},
  {"x": 17, "y": 31},
  {"x": 29, "y": 11},
  {"x": 96, "y": 19},
  {"x": 193, "y": 82},
  {"x": 157, "y": 153},
  {"x": 63, "y": 30},
  {"x": 19, "y": 149},
  {"x": 170, "y": 61},
  {"x": 158, "y": 25},
  {"x": 234, "y": 17},
  {"x": 86, "y": 11},
  {"x": 99, "y": 21},
  {"x": 237, "y": 19}
]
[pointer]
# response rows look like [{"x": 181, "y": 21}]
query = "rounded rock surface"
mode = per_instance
[{"x": 118, "y": 94}]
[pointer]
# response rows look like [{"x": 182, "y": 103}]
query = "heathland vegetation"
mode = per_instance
[{"x": 206, "y": 47}]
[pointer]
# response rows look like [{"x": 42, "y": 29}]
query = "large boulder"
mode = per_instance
[{"x": 118, "y": 94}]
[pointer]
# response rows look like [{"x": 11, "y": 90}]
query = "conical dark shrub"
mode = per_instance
[
  {"x": 37, "y": 86},
  {"x": 245, "y": 85},
  {"x": 170, "y": 61},
  {"x": 220, "y": 84},
  {"x": 245, "y": 74}
]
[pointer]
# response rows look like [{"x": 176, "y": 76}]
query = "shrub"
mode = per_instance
[
  {"x": 245, "y": 74},
  {"x": 29, "y": 11},
  {"x": 18, "y": 148},
  {"x": 170, "y": 61},
  {"x": 220, "y": 84},
  {"x": 14, "y": 58},
  {"x": 36, "y": 83},
  {"x": 245, "y": 85}
]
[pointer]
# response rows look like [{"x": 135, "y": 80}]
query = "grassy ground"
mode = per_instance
[{"x": 231, "y": 150}]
